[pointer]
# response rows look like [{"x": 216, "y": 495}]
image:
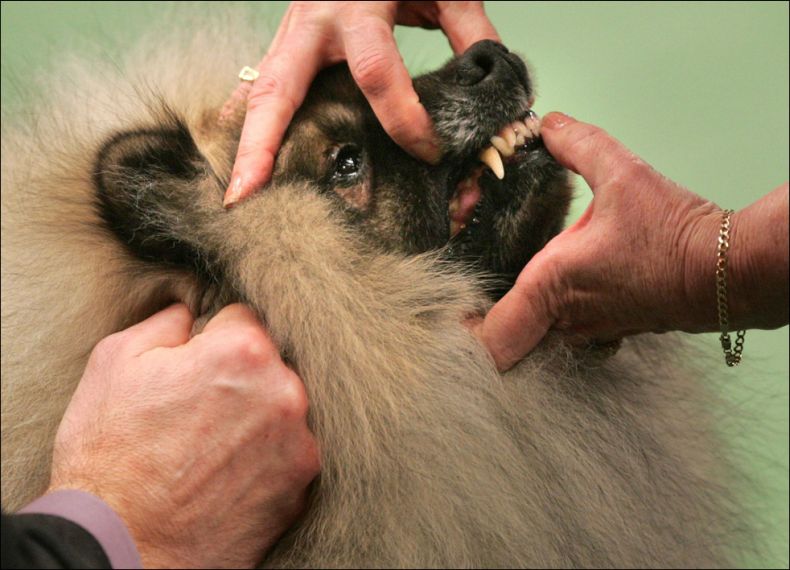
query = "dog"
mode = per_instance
[{"x": 363, "y": 263}]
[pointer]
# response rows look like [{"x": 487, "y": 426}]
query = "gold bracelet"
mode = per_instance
[{"x": 732, "y": 356}]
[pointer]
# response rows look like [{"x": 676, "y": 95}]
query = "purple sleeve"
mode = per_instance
[{"x": 95, "y": 516}]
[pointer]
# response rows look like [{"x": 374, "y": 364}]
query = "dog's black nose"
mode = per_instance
[{"x": 488, "y": 60}]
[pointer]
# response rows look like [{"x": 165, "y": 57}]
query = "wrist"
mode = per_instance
[
  {"x": 699, "y": 313},
  {"x": 758, "y": 264},
  {"x": 756, "y": 267}
]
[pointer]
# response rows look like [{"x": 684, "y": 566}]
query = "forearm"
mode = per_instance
[{"x": 757, "y": 268}]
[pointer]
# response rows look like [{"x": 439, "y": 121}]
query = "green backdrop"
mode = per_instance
[{"x": 700, "y": 90}]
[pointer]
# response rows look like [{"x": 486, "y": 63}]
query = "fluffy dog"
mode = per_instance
[{"x": 363, "y": 263}]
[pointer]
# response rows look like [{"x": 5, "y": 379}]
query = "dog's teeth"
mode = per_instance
[
  {"x": 504, "y": 147},
  {"x": 490, "y": 157},
  {"x": 520, "y": 138},
  {"x": 532, "y": 122},
  {"x": 520, "y": 128},
  {"x": 455, "y": 227},
  {"x": 509, "y": 135}
]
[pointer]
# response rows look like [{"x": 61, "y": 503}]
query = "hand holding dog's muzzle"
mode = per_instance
[
  {"x": 314, "y": 35},
  {"x": 640, "y": 258}
]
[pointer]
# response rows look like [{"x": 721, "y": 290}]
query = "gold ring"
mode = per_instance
[{"x": 248, "y": 73}]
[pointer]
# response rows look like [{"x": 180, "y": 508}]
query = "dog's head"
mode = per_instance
[
  {"x": 494, "y": 205},
  {"x": 493, "y": 212}
]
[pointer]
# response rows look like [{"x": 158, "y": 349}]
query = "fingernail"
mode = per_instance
[
  {"x": 555, "y": 120},
  {"x": 233, "y": 192}
]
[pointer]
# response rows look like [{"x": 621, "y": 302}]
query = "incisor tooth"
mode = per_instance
[
  {"x": 490, "y": 157},
  {"x": 509, "y": 135},
  {"x": 520, "y": 128},
  {"x": 504, "y": 148},
  {"x": 533, "y": 124}
]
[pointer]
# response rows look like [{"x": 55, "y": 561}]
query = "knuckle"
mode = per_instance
[
  {"x": 589, "y": 138},
  {"x": 291, "y": 399},
  {"x": 249, "y": 346},
  {"x": 631, "y": 168},
  {"x": 371, "y": 71},
  {"x": 270, "y": 87},
  {"x": 254, "y": 349}
]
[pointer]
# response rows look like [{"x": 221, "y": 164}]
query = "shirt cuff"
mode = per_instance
[{"x": 96, "y": 517}]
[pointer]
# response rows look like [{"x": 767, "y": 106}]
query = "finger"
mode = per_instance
[
  {"x": 166, "y": 329},
  {"x": 233, "y": 316},
  {"x": 465, "y": 23},
  {"x": 518, "y": 322},
  {"x": 285, "y": 77},
  {"x": 378, "y": 69},
  {"x": 589, "y": 150}
]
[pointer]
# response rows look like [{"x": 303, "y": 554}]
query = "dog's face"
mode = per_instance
[
  {"x": 146, "y": 179},
  {"x": 336, "y": 143}
]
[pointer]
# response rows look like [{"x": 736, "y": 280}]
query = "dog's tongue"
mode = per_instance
[{"x": 464, "y": 201}]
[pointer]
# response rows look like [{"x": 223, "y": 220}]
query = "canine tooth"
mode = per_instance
[
  {"x": 503, "y": 146},
  {"x": 455, "y": 227},
  {"x": 521, "y": 138},
  {"x": 490, "y": 157}
]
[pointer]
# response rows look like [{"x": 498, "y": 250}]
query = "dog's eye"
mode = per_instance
[{"x": 347, "y": 163}]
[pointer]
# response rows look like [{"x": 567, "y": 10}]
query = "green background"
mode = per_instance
[{"x": 699, "y": 90}]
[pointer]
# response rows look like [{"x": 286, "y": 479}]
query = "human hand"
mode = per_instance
[
  {"x": 641, "y": 257},
  {"x": 314, "y": 35},
  {"x": 200, "y": 445}
]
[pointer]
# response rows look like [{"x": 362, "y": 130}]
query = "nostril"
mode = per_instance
[
  {"x": 474, "y": 69},
  {"x": 479, "y": 62}
]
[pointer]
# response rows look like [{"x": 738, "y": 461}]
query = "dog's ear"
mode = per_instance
[{"x": 146, "y": 185}]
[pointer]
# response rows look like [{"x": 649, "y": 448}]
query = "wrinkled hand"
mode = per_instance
[
  {"x": 200, "y": 445},
  {"x": 641, "y": 257},
  {"x": 314, "y": 35}
]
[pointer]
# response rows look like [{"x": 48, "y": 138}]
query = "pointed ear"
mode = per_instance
[{"x": 145, "y": 182}]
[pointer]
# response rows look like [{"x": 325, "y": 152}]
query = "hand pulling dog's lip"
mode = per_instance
[{"x": 505, "y": 147}]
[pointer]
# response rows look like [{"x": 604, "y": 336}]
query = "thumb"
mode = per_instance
[
  {"x": 518, "y": 322},
  {"x": 167, "y": 328},
  {"x": 586, "y": 149}
]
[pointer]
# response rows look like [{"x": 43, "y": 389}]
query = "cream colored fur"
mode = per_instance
[{"x": 430, "y": 458}]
